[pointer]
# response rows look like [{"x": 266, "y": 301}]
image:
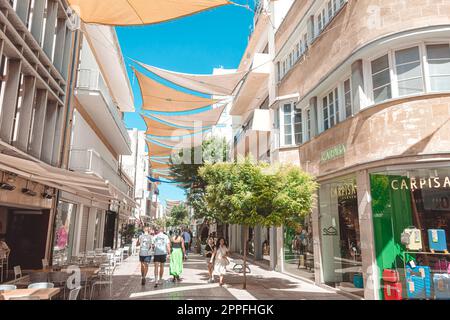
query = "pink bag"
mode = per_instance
[{"x": 442, "y": 266}]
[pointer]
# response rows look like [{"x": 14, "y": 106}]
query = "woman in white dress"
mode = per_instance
[{"x": 220, "y": 258}]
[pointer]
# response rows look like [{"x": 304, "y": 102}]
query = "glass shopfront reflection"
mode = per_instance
[
  {"x": 340, "y": 235},
  {"x": 64, "y": 229},
  {"x": 411, "y": 217},
  {"x": 298, "y": 248}
]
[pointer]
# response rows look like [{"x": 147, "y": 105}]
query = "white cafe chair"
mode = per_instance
[{"x": 17, "y": 272}]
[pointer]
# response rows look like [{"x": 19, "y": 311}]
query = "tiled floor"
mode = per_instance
[{"x": 261, "y": 285}]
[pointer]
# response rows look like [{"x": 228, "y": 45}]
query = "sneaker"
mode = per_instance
[{"x": 143, "y": 281}]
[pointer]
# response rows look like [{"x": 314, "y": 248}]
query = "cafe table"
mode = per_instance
[{"x": 42, "y": 294}]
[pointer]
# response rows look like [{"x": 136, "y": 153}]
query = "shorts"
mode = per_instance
[
  {"x": 160, "y": 258},
  {"x": 208, "y": 260},
  {"x": 146, "y": 259}
]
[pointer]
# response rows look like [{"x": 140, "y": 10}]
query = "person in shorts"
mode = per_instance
[
  {"x": 209, "y": 250},
  {"x": 145, "y": 242},
  {"x": 162, "y": 251}
]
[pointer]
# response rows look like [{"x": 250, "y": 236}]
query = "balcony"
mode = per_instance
[
  {"x": 93, "y": 94},
  {"x": 89, "y": 161}
]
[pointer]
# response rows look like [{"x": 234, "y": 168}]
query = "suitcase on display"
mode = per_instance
[
  {"x": 393, "y": 291},
  {"x": 412, "y": 239},
  {"x": 441, "y": 283},
  {"x": 390, "y": 275},
  {"x": 358, "y": 281},
  {"x": 437, "y": 240},
  {"x": 418, "y": 282}
]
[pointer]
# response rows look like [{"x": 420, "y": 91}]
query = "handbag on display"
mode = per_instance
[
  {"x": 437, "y": 240},
  {"x": 442, "y": 266},
  {"x": 393, "y": 291},
  {"x": 418, "y": 282},
  {"x": 390, "y": 275},
  {"x": 412, "y": 239},
  {"x": 358, "y": 280}
]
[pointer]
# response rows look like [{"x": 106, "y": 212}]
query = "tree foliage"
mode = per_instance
[
  {"x": 253, "y": 194},
  {"x": 185, "y": 167},
  {"x": 178, "y": 216}
]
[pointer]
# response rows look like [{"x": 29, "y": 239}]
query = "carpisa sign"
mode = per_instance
[{"x": 333, "y": 153}]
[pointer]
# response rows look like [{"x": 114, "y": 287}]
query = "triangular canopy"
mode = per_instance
[
  {"x": 139, "y": 12},
  {"x": 158, "y": 97},
  {"x": 199, "y": 120},
  {"x": 156, "y": 165},
  {"x": 156, "y": 128},
  {"x": 157, "y": 150},
  {"x": 183, "y": 143},
  {"x": 220, "y": 84}
]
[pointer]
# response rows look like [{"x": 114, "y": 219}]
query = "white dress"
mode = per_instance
[{"x": 221, "y": 262}]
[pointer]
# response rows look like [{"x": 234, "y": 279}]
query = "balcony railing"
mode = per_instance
[
  {"x": 90, "y": 161},
  {"x": 92, "y": 80}
]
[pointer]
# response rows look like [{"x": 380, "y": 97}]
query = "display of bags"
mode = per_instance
[
  {"x": 412, "y": 239},
  {"x": 358, "y": 280},
  {"x": 442, "y": 266},
  {"x": 390, "y": 275},
  {"x": 437, "y": 240},
  {"x": 418, "y": 282},
  {"x": 441, "y": 283},
  {"x": 393, "y": 291}
]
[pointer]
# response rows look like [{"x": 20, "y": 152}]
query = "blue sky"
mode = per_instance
[{"x": 195, "y": 44}]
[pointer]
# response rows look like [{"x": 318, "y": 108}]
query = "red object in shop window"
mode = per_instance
[
  {"x": 393, "y": 291},
  {"x": 390, "y": 275}
]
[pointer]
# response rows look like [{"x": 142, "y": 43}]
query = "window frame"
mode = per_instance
[{"x": 281, "y": 116}]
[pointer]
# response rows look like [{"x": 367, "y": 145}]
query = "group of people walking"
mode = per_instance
[{"x": 157, "y": 245}]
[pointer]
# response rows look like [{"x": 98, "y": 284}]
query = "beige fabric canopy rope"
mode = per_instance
[
  {"x": 139, "y": 12},
  {"x": 221, "y": 84},
  {"x": 199, "y": 120},
  {"x": 158, "y": 97},
  {"x": 156, "y": 128}
]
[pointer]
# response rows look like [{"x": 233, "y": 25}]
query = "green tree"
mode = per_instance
[
  {"x": 252, "y": 194},
  {"x": 185, "y": 167},
  {"x": 178, "y": 216}
]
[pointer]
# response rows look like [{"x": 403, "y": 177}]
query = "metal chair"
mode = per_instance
[
  {"x": 126, "y": 250},
  {"x": 59, "y": 279},
  {"x": 73, "y": 294},
  {"x": 2, "y": 263},
  {"x": 17, "y": 272},
  {"x": 106, "y": 278},
  {"x": 7, "y": 287},
  {"x": 45, "y": 264},
  {"x": 41, "y": 285}
]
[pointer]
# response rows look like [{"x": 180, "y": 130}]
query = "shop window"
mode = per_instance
[
  {"x": 438, "y": 58},
  {"x": 381, "y": 79},
  {"x": 64, "y": 231},
  {"x": 411, "y": 217},
  {"x": 298, "y": 247},
  {"x": 340, "y": 235},
  {"x": 409, "y": 71}
]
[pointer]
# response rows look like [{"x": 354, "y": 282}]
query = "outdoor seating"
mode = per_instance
[
  {"x": 126, "y": 250},
  {"x": 39, "y": 277},
  {"x": 45, "y": 264},
  {"x": 17, "y": 272},
  {"x": 41, "y": 285},
  {"x": 105, "y": 279},
  {"x": 7, "y": 287},
  {"x": 4, "y": 264},
  {"x": 73, "y": 294},
  {"x": 59, "y": 279}
]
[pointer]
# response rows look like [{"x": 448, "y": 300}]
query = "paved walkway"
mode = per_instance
[{"x": 261, "y": 285}]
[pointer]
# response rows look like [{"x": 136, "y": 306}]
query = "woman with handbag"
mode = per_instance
[{"x": 220, "y": 258}]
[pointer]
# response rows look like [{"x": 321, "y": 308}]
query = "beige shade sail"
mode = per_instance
[
  {"x": 184, "y": 142},
  {"x": 157, "y": 150},
  {"x": 220, "y": 84},
  {"x": 158, "y": 97},
  {"x": 156, "y": 128},
  {"x": 139, "y": 12},
  {"x": 157, "y": 165},
  {"x": 198, "y": 121}
]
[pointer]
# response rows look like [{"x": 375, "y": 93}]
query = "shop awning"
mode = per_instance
[
  {"x": 158, "y": 97},
  {"x": 139, "y": 12},
  {"x": 220, "y": 84}
]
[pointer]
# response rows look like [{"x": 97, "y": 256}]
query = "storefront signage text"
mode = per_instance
[
  {"x": 422, "y": 183},
  {"x": 333, "y": 153},
  {"x": 345, "y": 191}
]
